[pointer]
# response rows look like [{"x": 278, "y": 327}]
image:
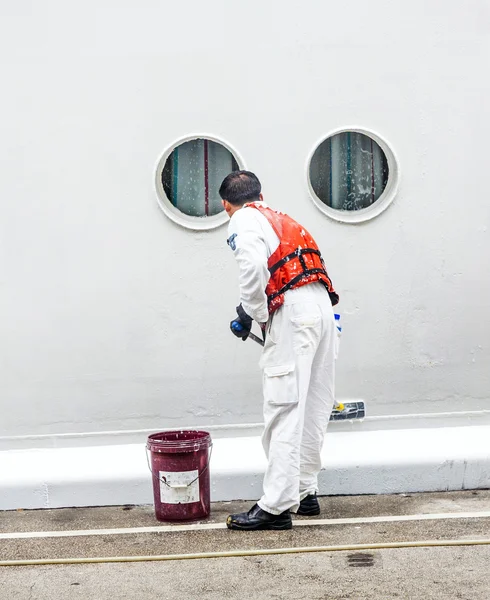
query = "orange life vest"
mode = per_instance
[{"x": 296, "y": 261}]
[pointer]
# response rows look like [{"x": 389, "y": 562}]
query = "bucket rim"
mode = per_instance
[{"x": 157, "y": 441}]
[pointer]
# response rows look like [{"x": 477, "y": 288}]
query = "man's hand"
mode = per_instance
[{"x": 242, "y": 325}]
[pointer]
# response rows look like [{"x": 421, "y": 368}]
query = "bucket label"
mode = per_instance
[{"x": 179, "y": 487}]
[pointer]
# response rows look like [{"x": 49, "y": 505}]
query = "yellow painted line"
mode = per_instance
[{"x": 238, "y": 553}]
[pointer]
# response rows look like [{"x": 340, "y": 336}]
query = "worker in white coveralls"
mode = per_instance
[{"x": 284, "y": 286}]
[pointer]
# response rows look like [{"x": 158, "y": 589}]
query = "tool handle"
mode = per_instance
[
  {"x": 237, "y": 326},
  {"x": 255, "y": 338}
]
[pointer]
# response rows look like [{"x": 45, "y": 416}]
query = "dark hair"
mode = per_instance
[{"x": 239, "y": 187}]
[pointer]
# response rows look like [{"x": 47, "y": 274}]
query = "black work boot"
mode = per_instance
[
  {"x": 309, "y": 506},
  {"x": 256, "y": 518}
]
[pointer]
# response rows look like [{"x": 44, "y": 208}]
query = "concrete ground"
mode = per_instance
[{"x": 434, "y": 572}]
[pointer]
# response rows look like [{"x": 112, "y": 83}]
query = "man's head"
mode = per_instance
[{"x": 238, "y": 188}]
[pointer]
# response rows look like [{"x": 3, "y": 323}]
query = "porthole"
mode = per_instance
[
  {"x": 352, "y": 175},
  {"x": 188, "y": 178}
]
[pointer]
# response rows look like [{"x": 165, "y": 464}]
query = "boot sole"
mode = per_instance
[
  {"x": 308, "y": 512},
  {"x": 261, "y": 527}
]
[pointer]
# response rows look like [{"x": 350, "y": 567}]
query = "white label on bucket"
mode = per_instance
[{"x": 176, "y": 487}]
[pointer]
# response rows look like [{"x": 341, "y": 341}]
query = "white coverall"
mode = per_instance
[{"x": 297, "y": 362}]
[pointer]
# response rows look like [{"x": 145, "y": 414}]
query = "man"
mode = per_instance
[{"x": 284, "y": 286}]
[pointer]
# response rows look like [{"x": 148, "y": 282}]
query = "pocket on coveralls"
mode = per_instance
[
  {"x": 280, "y": 385},
  {"x": 307, "y": 331}
]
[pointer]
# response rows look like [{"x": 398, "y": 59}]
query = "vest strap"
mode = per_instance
[
  {"x": 294, "y": 281},
  {"x": 298, "y": 253}
]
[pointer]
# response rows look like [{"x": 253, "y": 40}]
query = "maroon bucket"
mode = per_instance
[{"x": 179, "y": 463}]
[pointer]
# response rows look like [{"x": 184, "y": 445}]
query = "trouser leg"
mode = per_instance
[
  {"x": 319, "y": 404},
  {"x": 282, "y": 437},
  {"x": 287, "y": 361}
]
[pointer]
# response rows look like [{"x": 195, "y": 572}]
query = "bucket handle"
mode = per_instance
[{"x": 185, "y": 485}]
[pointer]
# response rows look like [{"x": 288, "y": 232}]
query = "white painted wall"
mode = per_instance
[{"x": 114, "y": 318}]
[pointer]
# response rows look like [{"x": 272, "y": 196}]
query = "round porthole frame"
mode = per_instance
[
  {"x": 385, "y": 199},
  {"x": 173, "y": 213}
]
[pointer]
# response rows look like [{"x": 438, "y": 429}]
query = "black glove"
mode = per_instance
[{"x": 242, "y": 325}]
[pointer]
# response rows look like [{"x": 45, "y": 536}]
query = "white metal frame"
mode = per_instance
[
  {"x": 386, "y": 198},
  {"x": 173, "y": 213}
]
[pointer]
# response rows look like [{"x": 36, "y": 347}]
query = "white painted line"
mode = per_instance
[
  {"x": 208, "y": 526},
  {"x": 122, "y": 531}
]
